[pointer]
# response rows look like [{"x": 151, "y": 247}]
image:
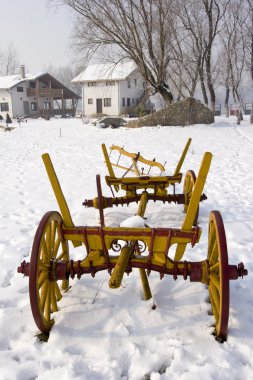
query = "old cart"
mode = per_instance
[
  {"x": 119, "y": 249},
  {"x": 137, "y": 177}
]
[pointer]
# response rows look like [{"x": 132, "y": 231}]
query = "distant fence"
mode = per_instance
[
  {"x": 217, "y": 111},
  {"x": 233, "y": 109},
  {"x": 247, "y": 108}
]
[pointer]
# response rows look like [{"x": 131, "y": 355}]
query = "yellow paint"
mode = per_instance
[
  {"x": 58, "y": 193},
  {"x": 182, "y": 158}
]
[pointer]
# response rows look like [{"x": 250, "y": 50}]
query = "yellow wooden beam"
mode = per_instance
[
  {"x": 194, "y": 201},
  {"x": 137, "y": 157},
  {"x": 63, "y": 206},
  {"x": 182, "y": 158},
  {"x": 109, "y": 165}
]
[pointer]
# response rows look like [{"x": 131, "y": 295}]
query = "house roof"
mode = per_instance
[
  {"x": 9, "y": 81},
  {"x": 107, "y": 71}
]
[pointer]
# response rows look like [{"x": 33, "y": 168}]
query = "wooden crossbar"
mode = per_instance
[{"x": 137, "y": 157}]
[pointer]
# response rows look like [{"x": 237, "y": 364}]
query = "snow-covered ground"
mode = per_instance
[{"x": 114, "y": 334}]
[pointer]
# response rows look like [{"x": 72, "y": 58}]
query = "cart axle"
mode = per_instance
[{"x": 196, "y": 271}]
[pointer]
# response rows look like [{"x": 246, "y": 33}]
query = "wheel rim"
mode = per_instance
[
  {"x": 219, "y": 277},
  {"x": 189, "y": 182},
  {"x": 44, "y": 291}
]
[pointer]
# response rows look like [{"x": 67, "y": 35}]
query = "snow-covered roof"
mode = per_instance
[
  {"x": 107, "y": 71},
  {"x": 9, "y": 81}
]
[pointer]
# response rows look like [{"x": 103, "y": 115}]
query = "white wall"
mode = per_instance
[
  {"x": 15, "y": 99},
  {"x": 134, "y": 93},
  {"x": 100, "y": 91},
  {"x": 5, "y": 97},
  {"x": 115, "y": 92}
]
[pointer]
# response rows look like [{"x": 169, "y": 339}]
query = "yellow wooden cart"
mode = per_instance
[
  {"x": 119, "y": 249},
  {"x": 137, "y": 177}
]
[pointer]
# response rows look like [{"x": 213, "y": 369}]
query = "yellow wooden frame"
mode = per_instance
[
  {"x": 141, "y": 181},
  {"x": 110, "y": 234}
]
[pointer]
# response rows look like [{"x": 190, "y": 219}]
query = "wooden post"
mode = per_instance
[
  {"x": 51, "y": 99},
  {"x": 180, "y": 163},
  {"x": 144, "y": 278},
  {"x": 63, "y": 206},
  {"x": 126, "y": 252},
  {"x": 37, "y": 95},
  {"x": 62, "y": 103},
  {"x": 194, "y": 201}
]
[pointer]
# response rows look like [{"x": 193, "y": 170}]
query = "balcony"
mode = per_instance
[{"x": 45, "y": 92}]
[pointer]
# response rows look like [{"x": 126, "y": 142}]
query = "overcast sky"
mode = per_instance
[{"x": 39, "y": 33}]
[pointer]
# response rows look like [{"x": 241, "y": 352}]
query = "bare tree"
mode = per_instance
[
  {"x": 249, "y": 26},
  {"x": 233, "y": 52},
  {"x": 139, "y": 29},
  {"x": 8, "y": 61},
  {"x": 188, "y": 54},
  {"x": 201, "y": 22}
]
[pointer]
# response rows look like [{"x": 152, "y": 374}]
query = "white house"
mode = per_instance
[
  {"x": 110, "y": 89},
  {"x": 34, "y": 95}
]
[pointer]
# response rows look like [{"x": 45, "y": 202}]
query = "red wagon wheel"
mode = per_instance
[
  {"x": 48, "y": 245},
  {"x": 189, "y": 182},
  {"x": 219, "y": 274}
]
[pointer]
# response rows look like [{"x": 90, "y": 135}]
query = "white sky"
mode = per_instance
[{"x": 39, "y": 33}]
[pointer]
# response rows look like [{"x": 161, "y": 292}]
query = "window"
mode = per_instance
[
  {"x": 128, "y": 102},
  {"x": 20, "y": 89},
  {"x": 92, "y": 84},
  {"x": 128, "y": 83},
  {"x": 123, "y": 102},
  {"x": 107, "y": 102},
  {"x": 32, "y": 84},
  {"x": 90, "y": 101},
  {"x": 4, "y": 107},
  {"x": 132, "y": 101},
  {"x": 34, "y": 106},
  {"x": 135, "y": 82},
  {"x": 110, "y": 83},
  {"x": 46, "y": 105}
]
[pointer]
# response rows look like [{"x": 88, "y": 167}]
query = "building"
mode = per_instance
[
  {"x": 110, "y": 89},
  {"x": 26, "y": 95}
]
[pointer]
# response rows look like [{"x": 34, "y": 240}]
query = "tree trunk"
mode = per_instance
[
  {"x": 251, "y": 114},
  {"x": 226, "y": 102},
  {"x": 203, "y": 87},
  {"x": 166, "y": 94},
  {"x": 209, "y": 79}
]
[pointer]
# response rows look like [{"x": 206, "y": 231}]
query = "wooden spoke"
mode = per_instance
[
  {"x": 61, "y": 256},
  {"x": 54, "y": 307},
  {"x": 48, "y": 237},
  {"x": 214, "y": 254},
  {"x": 47, "y": 310},
  {"x": 215, "y": 280},
  {"x": 215, "y": 268},
  {"x": 52, "y": 237},
  {"x": 45, "y": 253},
  {"x": 219, "y": 274},
  {"x": 57, "y": 291},
  {"x": 43, "y": 296},
  {"x": 214, "y": 309},
  {"x": 44, "y": 290},
  {"x": 57, "y": 245},
  {"x": 43, "y": 276},
  {"x": 189, "y": 182},
  {"x": 216, "y": 296}
]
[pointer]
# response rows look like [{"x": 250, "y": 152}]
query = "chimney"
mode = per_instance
[{"x": 22, "y": 71}]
